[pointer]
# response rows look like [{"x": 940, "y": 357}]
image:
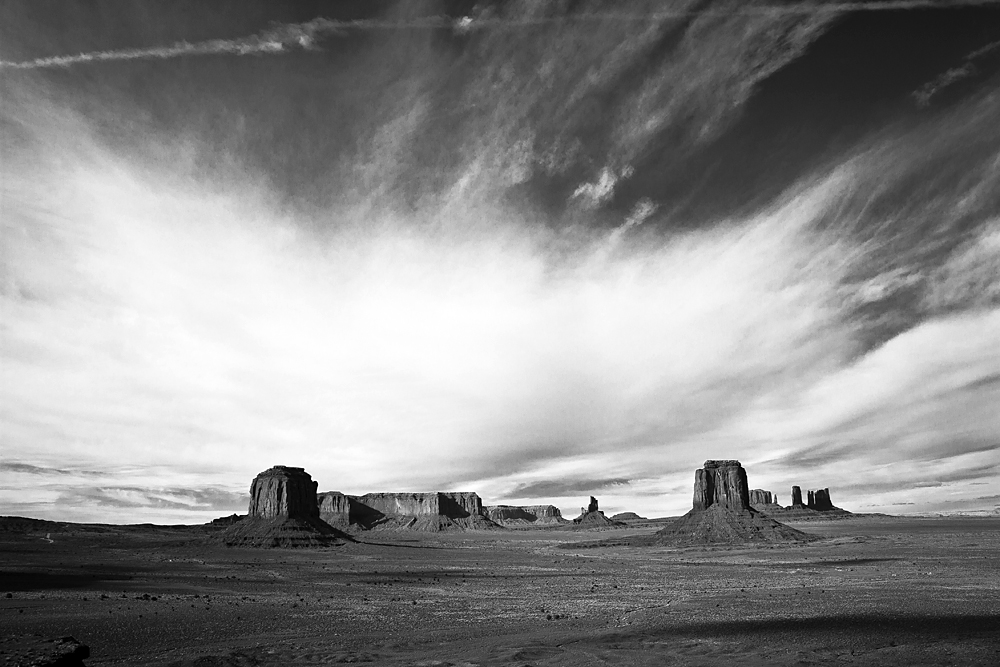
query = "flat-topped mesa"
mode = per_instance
[
  {"x": 454, "y": 504},
  {"x": 721, "y": 483},
  {"x": 462, "y": 510},
  {"x": 283, "y": 491},
  {"x": 760, "y": 497},
  {"x": 797, "y": 498},
  {"x": 507, "y": 515}
]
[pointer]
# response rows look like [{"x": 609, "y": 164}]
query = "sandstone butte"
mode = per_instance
[
  {"x": 592, "y": 517},
  {"x": 721, "y": 512},
  {"x": 283, "y": 512},
  {"x": 818, "y": 505}
]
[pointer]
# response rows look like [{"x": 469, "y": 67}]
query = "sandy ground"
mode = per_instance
[{"x": 873, "y": 592}]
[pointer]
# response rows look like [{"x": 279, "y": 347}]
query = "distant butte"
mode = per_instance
[
  {"x": 721, "y": 512},
  {"x": 511, "y": 516},
  {"x": 592, "y": 517}
]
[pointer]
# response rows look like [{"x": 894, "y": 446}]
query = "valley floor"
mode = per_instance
[{"x": 874, "y": 591}]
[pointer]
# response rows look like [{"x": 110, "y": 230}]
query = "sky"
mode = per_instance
[{"x": 536, "y": 250}]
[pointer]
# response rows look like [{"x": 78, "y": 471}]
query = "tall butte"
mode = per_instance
[
  {"x": 721, "y": 512},
  {"x": 283, "y": 513}
]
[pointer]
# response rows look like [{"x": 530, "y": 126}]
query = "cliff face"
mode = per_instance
[
  {"x": 334, "y": 508},
  {"x": 283, "y": 491},
  {"x": 524, "y": 514},
  {"x": 760, "y": 497},
  {"x": 411, "y": 504},
  {"x": 721, "y": 483},
  {"x": 412, "y": 511},
  {"x": 460, "y": 503},
  {"x": 797, "y": 498}
]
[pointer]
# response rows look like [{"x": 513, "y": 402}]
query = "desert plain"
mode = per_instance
[{"x": 874, "y": 590}]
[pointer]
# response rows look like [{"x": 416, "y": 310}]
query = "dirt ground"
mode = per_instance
[{"x": 888, "y": 591}]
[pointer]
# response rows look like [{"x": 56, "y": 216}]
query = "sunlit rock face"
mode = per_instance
[
  {"x": 721, "y": 483},
  {"x": 334, "y": 508},
  {"x": 455, "y": 504},
  {"x": 760, "y": 497},
  {"x": 433, "y": 511},
  {"x": 283, "y": 491}
]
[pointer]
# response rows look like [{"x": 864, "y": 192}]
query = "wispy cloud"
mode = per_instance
[
  {"x": 926, "y": 92},
  {"x": 292, "y": 36},
  {"x": 178, "y": 324},
  {"x": 557, "y": 488}
]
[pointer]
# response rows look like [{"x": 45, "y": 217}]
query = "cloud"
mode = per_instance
[
  {"x": 926, "y": 92},
  {"x": 176, "y": 320},
  {"x": 557, "y": 488},
  {"x": 130, "y": 497}
]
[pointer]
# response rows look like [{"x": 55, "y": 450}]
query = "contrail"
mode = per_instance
[{"x": 303, "y": 36}]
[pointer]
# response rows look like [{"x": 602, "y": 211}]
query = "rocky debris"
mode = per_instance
[
  {"x": 228, "y": 520},
  {"x": 721, "y": 513},
  {"x": 283, "y": 513},
  {"x": 797, "y": 498},
  {"x": 435, "y": 511},
  {"x": 525, "y": 515},
  {"x": 36, "y": 651},
  {"x": 721, "y": 483}
]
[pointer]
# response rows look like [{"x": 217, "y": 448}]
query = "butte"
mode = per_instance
[
  {"x": 722, "y": 514},
  {"x": 283, "y": 513}
]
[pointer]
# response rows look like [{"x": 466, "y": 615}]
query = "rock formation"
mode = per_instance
[
  {"x": 591, "y": 517},
  {"x": 36, "y": 651},
  {"x": 405, "y": 511},
  {"x": 283, "y": 513},
  {"x": 334, "y": 508},
  {"x": 760, "y": 497},
  {"x": 819, "y": 500},
  {"x": 628, "y": 516},
  {"x": 721, "y": 483},
  {"x": 818, "y": 506},
  {"x": 722, "y": 514},
  {"x": 525, "y": 515}
]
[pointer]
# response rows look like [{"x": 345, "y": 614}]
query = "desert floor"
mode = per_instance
[{"x": 874, "y": 591}]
